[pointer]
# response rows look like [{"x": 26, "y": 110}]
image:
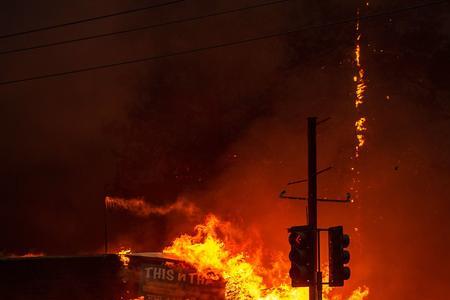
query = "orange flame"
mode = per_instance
[
  {"x": 123, "y": 255},
  {"x": 140, "y": 208},
  {"x": 245, "y": 278},
  {"x": 359, "y": 293}
]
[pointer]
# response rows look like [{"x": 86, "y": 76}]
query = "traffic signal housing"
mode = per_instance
[
  {"x": 301, "y": 239},
  {"x": 339, "y": 256}
]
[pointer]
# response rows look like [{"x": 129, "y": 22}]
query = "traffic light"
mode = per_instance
[
  {"x": 301, "y": 239},
  {"x": 338, "y": 256}
]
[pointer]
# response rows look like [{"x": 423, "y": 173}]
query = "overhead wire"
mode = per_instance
[
  {"x": 96, "y": 18},
  {"x": 226, "y": 44},
  {"x": 147, "y": 27}
]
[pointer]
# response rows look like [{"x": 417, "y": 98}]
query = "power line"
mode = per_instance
[
  {"x": 228, "y": 44},
  {"x": 120, "y": 13},
  {"x": 144, "y": 27}
]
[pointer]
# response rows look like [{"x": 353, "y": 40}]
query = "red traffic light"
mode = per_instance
[{"x": 301, "y": 239}]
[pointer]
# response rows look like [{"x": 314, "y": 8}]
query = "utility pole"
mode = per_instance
[
  {"x": 315, "y": 291},
  {"x": 305, "y": 240},
  {"x": 312, "y": 202}
]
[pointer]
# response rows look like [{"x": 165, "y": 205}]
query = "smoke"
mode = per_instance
[{"x": 140, "y": 208}]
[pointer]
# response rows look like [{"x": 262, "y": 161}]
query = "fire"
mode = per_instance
[
  {"x": 123, "y": 255},
  {"x": 359, "y": 293},
  {"x": 140, "y": 208},
  {"x": 212, "y": 251}
]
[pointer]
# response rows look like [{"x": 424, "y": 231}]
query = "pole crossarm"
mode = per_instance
[{"x": 346, "y": 200}]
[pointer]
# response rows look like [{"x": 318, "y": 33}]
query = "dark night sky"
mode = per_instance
[{"x": 226, "y": 129}]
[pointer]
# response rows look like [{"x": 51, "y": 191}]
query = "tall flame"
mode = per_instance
[{"x": 246, "y": 277}]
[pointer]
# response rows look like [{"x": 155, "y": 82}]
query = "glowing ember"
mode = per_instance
[
  {"x": 140, "y": 208},
  {"x": 211, "y": 250}
]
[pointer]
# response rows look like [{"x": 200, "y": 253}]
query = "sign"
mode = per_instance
[{"x": 173, "y": 282}]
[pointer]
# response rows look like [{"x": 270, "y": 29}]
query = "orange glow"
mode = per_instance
[
  {"x": 140, "y": 208},
  {"x": 30, "y": 254},
  {"x": 211, "y": 251}
]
